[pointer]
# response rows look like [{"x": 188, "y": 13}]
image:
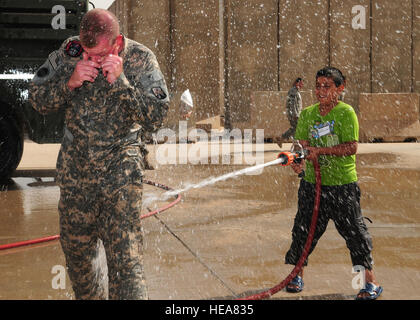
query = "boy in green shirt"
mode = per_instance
[{"x": 329, "y": 130}]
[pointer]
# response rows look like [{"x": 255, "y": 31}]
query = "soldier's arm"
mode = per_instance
[
  {"x": 48, "y": 89},
  {"x": 144, "y": 91},
  {"x": 299, "y": 102}
]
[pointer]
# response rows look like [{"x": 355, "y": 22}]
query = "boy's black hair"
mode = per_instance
[
  {"x": 334, "y": 73},
  {"x": 298, "y": 80}
]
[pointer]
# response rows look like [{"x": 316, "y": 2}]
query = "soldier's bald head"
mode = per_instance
[{"x": 98, "y": 23}]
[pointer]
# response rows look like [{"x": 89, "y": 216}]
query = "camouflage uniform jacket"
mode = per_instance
[
  {"x": 103, "y": 122},
  {"x": 293, "y": 104}
]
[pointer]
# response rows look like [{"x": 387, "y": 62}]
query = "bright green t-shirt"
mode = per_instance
[{"x": 338, "y": 126}]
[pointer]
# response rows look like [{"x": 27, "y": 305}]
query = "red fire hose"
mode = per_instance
[
  {"x": 28, "y": 242},
  {"x": 268, "y": 293},
  {"x": 55, "y": 237}
]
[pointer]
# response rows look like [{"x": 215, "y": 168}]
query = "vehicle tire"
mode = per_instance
[{"x": 11, "y": 144}]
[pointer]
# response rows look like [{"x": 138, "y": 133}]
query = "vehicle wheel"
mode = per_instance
[{"x": 11, "y": 145}]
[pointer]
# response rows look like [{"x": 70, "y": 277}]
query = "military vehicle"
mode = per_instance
[{"x": 29, "y": 31}]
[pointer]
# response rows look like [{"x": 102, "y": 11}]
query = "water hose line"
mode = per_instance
[
  {"x": 196, "y": 256},
  {"x": 55, "y": 237},
  {"x": 268, "y": 293}
]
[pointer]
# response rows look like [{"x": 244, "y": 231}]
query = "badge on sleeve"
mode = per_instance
[
  {"x": 159, "y": 93},
  {"x": 74, "y": 48}
]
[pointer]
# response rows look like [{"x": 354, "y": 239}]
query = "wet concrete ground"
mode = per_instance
[{"x": 229, "y": 238}]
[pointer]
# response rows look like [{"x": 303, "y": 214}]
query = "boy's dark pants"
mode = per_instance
[{"x": 342, "y": 205}]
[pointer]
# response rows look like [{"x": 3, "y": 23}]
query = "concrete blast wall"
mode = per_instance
[{"x": 229, "y": 51}]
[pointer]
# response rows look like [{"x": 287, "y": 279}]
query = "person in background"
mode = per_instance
[{"x": 293, "y": 109}]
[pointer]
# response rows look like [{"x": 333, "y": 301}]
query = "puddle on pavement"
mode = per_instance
[{"x": 239, "y": 227}]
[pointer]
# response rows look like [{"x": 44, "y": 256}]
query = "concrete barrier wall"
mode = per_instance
[
  {"x": 303, "y": 41},
  {"x": 268, "y": 112},
  {"x": 149, "y": 23},
  {"x": 416, "y": 45},
  {"x": 226, "y": 49},
  {"x": 389, "y": 116},
  {"x": 153, "y": 30},
  {"x": 350, "y": 48},
  {"x": 195, "y": 53},
  {"x": 391, "y": 46},
  {"x": 251, "y": 53}
]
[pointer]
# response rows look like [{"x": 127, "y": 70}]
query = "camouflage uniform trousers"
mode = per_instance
[
  {"x": 96, "y": 213},
  {"x": 289, "y": 133}
]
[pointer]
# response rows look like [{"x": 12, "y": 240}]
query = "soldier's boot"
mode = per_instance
[{"x": 279, "y": 141}]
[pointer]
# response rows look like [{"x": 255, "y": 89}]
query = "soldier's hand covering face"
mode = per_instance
[
  {"x": 103, "y": 56},
  {"x": 86, "y": 70},
  {"x": 112, "y": 66}
]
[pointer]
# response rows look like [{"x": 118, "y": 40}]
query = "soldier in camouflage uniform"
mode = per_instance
[
  {"x": 293, "y": 109},
  {"x": 120, "y": 93}
]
